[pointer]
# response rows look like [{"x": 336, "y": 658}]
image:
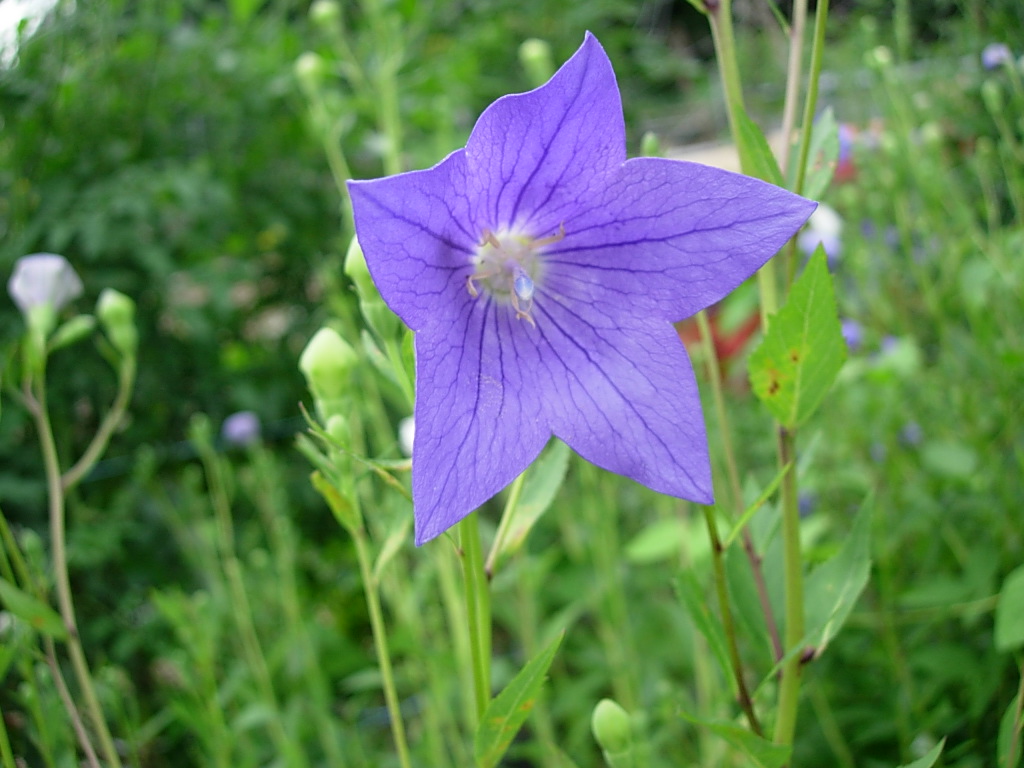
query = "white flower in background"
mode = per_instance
[
  {"x": 406, "y": 431},
  {"x": 825, "y": 227},
  {"x": 43, "y": 279}
]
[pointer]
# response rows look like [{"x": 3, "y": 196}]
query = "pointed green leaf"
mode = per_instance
[
  {"x": 927, "y": 760},
  {"x": 834, "y": 586},
  {"x": 762, "y": 752},
  {"x": 540, "y": 487},
  {"x": 1008, "y": 742},
  {"x": 796, "y": 363},
  {"x": 706, "y": 622},
  {"x": 756, "y": 156},
  {"x": 507, "y": 712},
  {"x": 1010, "y": 612},
  {"x": 391, "y": 547},
  {"x": 38, "y": 614}
]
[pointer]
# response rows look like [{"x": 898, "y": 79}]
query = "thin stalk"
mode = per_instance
[
  {"x": 241, "y": 608},
  {"x": 380, "y": 644},
  {"x": 69, "y": 705},
  {"x": 796, "y": 49},
  {"x": 1018, "y": 721},
  {"x": 514, "y": 492},
  {"x": 478, "y": 609},
  {"x": 792, "y": 669},
  {"x": 722, "y": 591},
  {"x": 62, "y": 581},
  {"x": 715, "y": 377},
  {"x": 810, "y": 105},
  {"x": 6, "y": 755},
  {"x": 125, "y": 384}
]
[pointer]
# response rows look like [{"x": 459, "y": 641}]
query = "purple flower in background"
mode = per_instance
[
  {"x": 853, "y": 334},
  {"x": 542, "y": 272},
  {"x": 242, "y": 428},
  {"x": 911, "y": 434},
  {"x": 43, "y": 278},
  {"x": 994, "y": 55}
]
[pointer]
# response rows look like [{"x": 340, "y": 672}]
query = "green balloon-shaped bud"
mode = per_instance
[{"x": 116, "y": 313}]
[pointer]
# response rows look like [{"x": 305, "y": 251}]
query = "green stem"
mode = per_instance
[
  {"x": 380, "y": 643},
  {"x": 1015, "y": 729},
  {"x": 62, "y": 581},
  {"x": 5, "y": 744},
  {"x": 722, "y": 590},
  {"x": 514, "y": 492},
  {"x": 792, "y": 668},
  {"x": 478, "y": 609},
  {"x": 796, "y": 49},
  {"x": 725, "y": 433},
  {"x": 69, "y": 705},
  {"x": 125, "y": 384}
]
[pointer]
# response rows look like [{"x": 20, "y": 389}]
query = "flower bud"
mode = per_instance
[
  {"x": 43, "y": 279},
  {"x": 879, "y": 57},
  {"x": 992, "y": 95},
  {"x": 650, "y": 145},
  {"x": 611, "y": 727},
  {"x": 323, "y": 13},
  {"x": 378, "y": 316},
  {"x": 310, "y": 69},
  {"x": 241, "y": 429},
  {"x": 327, "y": 363},
  {"x": 73, "y": 331},
  {"x": 116, "y": 313},
  {"x": 535, "y": 56}
]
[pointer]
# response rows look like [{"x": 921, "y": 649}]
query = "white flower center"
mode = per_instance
[{"x": 507, "y": 267}]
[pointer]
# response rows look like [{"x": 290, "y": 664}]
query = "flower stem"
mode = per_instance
[
  {"x": 478, "y": 609},
  {"x": 725, "y": 434},
  {"x": 380, "y": 643},
  {"x": 514, "y": 492},
  {"x": 792, "y": 669},
  {"x": 722, "y": 590},
  {"x": 62, "y": 581},
  {"x": 125, "y": 384}
]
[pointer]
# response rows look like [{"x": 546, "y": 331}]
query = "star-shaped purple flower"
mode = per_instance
[{"x": 542, "y": 272}]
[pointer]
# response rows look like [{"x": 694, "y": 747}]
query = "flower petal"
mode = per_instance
[
  {"x": 478, "y": 413},
  {"x": 672, "y": 237},
  {"x": 413, "y": 229},
  {"x": 532, "y": 156},
  {"x": 623, "y": 395}
]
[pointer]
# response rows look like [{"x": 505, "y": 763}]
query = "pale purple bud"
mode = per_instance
[
  {"x": 43, "y": 279},
  {"x": 242, "y": 428},
  {"x": 994, "y": 55}
]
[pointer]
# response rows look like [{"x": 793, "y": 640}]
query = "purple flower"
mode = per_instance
[
  {"x": 542, "y": 272},
  {"x": 853, "y": 334},
  {"x": 242, "y": 428},
  {"x": 43, "y": 279},
  {"x": 994, "y": 55}
]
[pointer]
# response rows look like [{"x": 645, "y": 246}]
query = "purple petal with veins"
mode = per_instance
[{"x": 542, "y": 272}]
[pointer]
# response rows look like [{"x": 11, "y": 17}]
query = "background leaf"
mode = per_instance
[
  {"x": 834, "y": 587},
  {"x": 1009, "y": 632},
  {"x": 39, "y": 615},
  {"x": 762, "y": 752},
  {"x": 799, "y": 358},
  {"x": 508, "y": 710}
]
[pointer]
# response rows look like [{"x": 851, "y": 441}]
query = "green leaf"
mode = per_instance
[
  {"x": 36, "y": 613},
  {"x": 659, "y": 541},
  {"x": 756, "y": 156},
  {"x": 540, "y": 487},
  {"x": 391, "y": 547},
  {"x": 834, "y": 586},
  {"x": 1009, "y": 632},
  {"x": 800, "y": 356},
  {"x": 706, "y": 622},
  {"x": 1009, "y": 736},
  {"x": 821, "y": 156},
  {"x": 762, "y": 752},
  {"x": 927, "y": 760},
  {"x": 508, "y": 710}
]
